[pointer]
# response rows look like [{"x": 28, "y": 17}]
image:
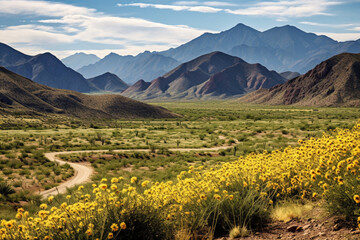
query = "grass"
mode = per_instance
[
  {"x": 289, "y": 210},
  {"x": 237, "y": 232}
]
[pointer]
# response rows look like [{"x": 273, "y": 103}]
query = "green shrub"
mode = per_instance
[{"x": 6, "y": 189}]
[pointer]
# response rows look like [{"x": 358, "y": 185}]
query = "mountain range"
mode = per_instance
[
  {"x": 21, "y": 95},
  {"x": 285, "y": 48},
  {"x": 48, "y": 70},
  {"x": 212, "y": 75},
  {"x": 145, "y": 66},
  {"x": 334, "y": 82},
  {"x": 79, "y": 60},
  {"x": 44, "y": 69}
]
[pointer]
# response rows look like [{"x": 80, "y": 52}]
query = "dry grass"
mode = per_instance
[{"x": 290, "y": 210}]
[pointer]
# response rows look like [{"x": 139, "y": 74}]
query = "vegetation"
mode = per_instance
[
  {"x": 272, "y": 155},
  {"x": 205, "y": 202}
]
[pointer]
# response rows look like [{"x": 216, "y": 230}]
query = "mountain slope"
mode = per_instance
[
  {"x": 19, "y": 94},
  {"x": 45, "y": 69},
  {"x": 10, "y": 56},
  {"x": 285, "y": 48},
  {"x": 108, "y": 82},
  {"x": 79, "y": 60},
  {"x": 145, "y": 66},
  {"x": 239, "y": 79},
  {"x": 138, "y": 87},
  {"x": 214, "y": 74},
  {"x": 334, "y": 82}
]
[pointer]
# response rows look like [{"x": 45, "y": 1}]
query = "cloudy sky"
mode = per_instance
[{"x": 65, "y": 27}]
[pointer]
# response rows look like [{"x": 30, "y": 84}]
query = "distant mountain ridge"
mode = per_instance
[
  {"x": 79, "y": 60},
  {"x": 145, "y": 66},
  {"x": 211, "y": 75},
  {"x": 334, "y": 82},
  {"x": 21, "y": 95},
  {"x": 285, "y": 48},
  {"x": 44, "y": 69},
  {"x": 48, "y": 70}
]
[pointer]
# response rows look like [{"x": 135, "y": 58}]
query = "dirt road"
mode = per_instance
[{"x": 83, "y": 172}]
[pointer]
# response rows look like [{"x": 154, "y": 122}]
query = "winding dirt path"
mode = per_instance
[{"x": 83, "y": 172}]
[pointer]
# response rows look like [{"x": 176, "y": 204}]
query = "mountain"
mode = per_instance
[
  {"x": 79, "y": 60},
  {"x": 209, "y": 42},
  {"x": 211, "y": 75},
  {"x": 21, "y": 95},
  {"x": 285, "y": 48},
  {"x": 108, "y": 82},
  {"x": 137, "y": 87},
  {"x": 10, "y": 56},
  {"x": 289, "y": 75},
  {"x": 145, "y": 66},
  {"x": 43, "y": 68},
  {"x": 334, "y": 82}
]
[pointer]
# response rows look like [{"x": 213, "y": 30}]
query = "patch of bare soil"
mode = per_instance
[{"x": 327, "y": 228}]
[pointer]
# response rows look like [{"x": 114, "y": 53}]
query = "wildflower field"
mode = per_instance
[{"x": 202, "y": 203}]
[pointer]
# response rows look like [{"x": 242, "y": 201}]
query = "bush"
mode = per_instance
[
  {"x": 144, "y": 222},
  {"x": 6, "y": 189},
  {"x": 245, "y": 207},
  {"x": 7, "y": 171},
  {"x": 15, "y": 164},
  {"x": 284, "y": 131}
]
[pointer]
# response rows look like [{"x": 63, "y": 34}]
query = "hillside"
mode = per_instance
[
  {"x": 108, "y": 82},
  {"x": 334, "y": 82},
  {"x": 145, "y": 66},
  {"x": 10, "y": 56},
  {"x": 285, "y": 48},
  {"x": 21, "y": 95},
  {"x": 79, "y": 60},
  {"x": 44, "y": 69},
  {"x": 211, "y": 75}
]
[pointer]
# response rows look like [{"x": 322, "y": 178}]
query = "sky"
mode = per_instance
[{"x": 129, "y": 27}]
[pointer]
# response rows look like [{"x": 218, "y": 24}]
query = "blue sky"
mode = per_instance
[{"x": 65, "y": 27}]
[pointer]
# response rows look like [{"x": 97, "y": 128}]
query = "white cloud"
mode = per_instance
[
  {"x": 117, "y": 30},
  {"x": 355, "y": 29},
  {"x": 287, "y": 8},
  {"x": 42, "y": 8},
  {"x": 202, "y": 9},
  {"x": 66, "y": 24},
  {"x": 328, "y": 25},
  {"x": 33, "y": 35},
  {"x": 341, "y": 36}
]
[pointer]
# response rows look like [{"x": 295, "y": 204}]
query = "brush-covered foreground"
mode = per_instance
[{"x": 202, "y": 203}]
